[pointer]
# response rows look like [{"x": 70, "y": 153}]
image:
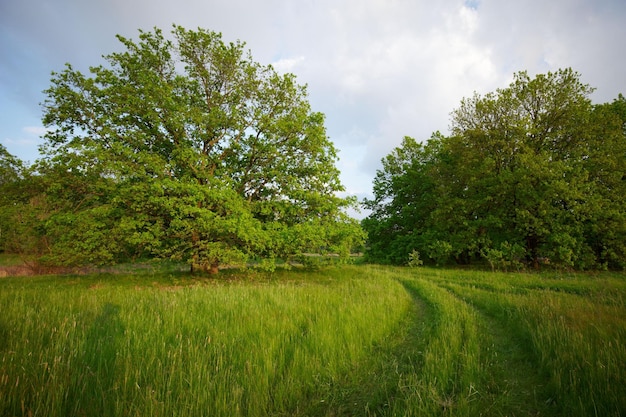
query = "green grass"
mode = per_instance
[{"x": 355, "y": 340}]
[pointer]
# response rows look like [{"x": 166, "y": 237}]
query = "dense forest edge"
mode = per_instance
[
  {"x": 183, "y": 148},
  {"x": 532, "y": 174}
]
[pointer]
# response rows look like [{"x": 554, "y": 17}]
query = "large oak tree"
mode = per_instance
[{"x": 182, "y": 146}]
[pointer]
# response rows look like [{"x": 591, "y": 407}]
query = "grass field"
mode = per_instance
[{"x": 355, "y": 340}]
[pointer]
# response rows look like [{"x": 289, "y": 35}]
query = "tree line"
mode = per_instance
[
  {"x": 183, "y": 147},
  {"x": 531, "y": 174}
]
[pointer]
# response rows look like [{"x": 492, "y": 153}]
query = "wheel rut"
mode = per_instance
[
  {"x": 379, "y": 385},
  {"x": 512, "y": 380}
]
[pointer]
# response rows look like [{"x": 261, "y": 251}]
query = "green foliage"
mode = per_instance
[
  {"x": 531, "y": 173},
  {"x": 10, "y": 167},
  {"x": 11, "y": 172},
  {"x": 440, "y": 251},
  {"x": 414, "y": 259},
  {"x": 506, "y": 257},
  {"x": 395, "y": 210},
  {"x": 185, "y": 148}
]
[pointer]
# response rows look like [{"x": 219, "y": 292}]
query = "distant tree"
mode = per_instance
[
  {"x": 529, "y": 173},
  {"x": 523, "y": 147},
  {"x": 20, "y": 209},
  {"x": 403, "y": 189},
  {"x": 604, "y": 228},
  {"x": 188, "y": 149},
  {"x": 11, "y": 169}
]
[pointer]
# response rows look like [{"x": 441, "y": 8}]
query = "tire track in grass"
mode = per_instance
[
  {"x": 575, "y": 339},
  {"x": 446, "y": 382},
  {"x": 375, "y": 385},
  {"x": 430, "y": 366},
  {"x": 513, "y": 382}
]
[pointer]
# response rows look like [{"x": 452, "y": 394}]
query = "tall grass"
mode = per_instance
[
  {"x": 358, "y": 341},
  {"x": 581, "y": 344},
  {"x": 234, "y": 348},
  {"x": 574, "y": 327},
  {"x": 447, "y": 378}
]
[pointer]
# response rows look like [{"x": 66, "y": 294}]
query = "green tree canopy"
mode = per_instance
[
  {"x": 11, "y": 169},
  {"x": 11, "y": 172},
  {"x": 531, "y": 173},
  {"x": 184, "y": 147}
]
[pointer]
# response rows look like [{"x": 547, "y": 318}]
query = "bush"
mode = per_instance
[{"x": 414, "y": 259}]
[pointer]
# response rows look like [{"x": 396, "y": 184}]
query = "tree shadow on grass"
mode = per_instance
[{"x": 92, "y": 390}]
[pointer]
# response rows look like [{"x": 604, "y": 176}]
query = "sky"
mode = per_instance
[{"x": 378, "y": 69}]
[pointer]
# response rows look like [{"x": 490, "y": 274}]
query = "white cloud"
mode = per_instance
[
  {"x": 285, "y": 65},
  {"x": 35, "y": 130}
]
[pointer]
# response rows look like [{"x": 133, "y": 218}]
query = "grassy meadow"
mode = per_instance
[{"x": 345, "y": 341}]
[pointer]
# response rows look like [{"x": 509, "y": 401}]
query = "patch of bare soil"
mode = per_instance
[
  {"x": 30, "y": 270},
  {"x": 16, "y": 270}
]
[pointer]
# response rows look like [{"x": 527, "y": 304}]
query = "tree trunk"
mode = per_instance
[{"x": 532, "y": 244}]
